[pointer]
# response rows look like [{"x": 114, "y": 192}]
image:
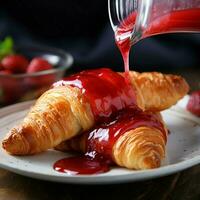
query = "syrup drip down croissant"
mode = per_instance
[{"x": 82, "y": 100}]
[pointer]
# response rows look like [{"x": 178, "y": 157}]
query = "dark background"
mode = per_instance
[{"x": 83, "y": 29}]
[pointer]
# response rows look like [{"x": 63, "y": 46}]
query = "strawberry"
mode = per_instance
[
  {"x": 194, "y": 103},
  {"x": 36, "y": 65},
  {"x": 15, "y": 63}
]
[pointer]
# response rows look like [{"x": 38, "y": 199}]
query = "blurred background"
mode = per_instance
[{"x": 83, "y": 29}]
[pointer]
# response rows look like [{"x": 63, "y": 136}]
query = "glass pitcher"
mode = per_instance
[
  {"x": 137, "y": 19},
  {"x": 133, "y": 20}
]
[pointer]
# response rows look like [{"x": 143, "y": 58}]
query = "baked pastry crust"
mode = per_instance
[
  {"x": 156, "y": 91},
  {"x": 139, "y": 148},
  {"x": 58, "y": 115},
  {"x": 64, "y": 112}
]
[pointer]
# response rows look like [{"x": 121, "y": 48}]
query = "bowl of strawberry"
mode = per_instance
[{"x": 27, "y": 71}]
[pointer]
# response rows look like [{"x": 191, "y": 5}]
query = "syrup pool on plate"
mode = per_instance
[{"x": 80, "y": 165}]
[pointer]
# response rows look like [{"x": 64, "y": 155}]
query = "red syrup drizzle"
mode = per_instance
[
  {"x": 176, "y": 21},
  {"x": 122, "y": 38},
  {"x": 107, "y": 91},
  {"x": 101, "y": 139}
]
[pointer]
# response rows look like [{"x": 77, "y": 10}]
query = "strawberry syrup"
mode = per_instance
[{"x": 113, "y": 104}]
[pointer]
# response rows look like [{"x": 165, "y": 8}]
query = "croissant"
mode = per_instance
[
  {"x": 140, "y": 146},
  {"x": 156, "y": 91},
  {"x": 59, "y": 114},
  {"x": 67, "y": 110}
]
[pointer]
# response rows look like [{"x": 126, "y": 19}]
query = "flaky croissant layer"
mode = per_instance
[
  {"x": 156, "y": 91},
  {"x": 58, "y": 115},
  {"x": 64, "y": 112},
  {"x": 142, "y": 147}
]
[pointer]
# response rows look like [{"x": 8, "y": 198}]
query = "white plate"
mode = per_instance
[{"x": 183, "y": 150}]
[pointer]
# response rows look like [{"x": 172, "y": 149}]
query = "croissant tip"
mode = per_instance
[
  {"x": 13, "y": 143},
  {"x": 181, "y": 85},
  {"x": 151, "y": 162},
  {"x": 9, "y": 146},
  {"x": 4, "y": 144}
]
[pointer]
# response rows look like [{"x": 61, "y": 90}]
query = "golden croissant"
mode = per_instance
[
  {"x": 156, "y": 91},
  {"x": 141, "y": 147},
  {"x": 65, "y": 111}
]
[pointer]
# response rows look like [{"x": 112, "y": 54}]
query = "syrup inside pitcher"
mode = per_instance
[{"x": 152, "y": 17}]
